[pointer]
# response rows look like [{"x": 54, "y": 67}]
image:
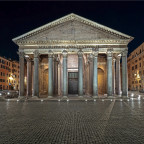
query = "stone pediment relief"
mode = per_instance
[{"x": 71, "y": 28}]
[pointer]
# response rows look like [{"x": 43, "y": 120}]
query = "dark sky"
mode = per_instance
[{"x": 17, "y": 18}]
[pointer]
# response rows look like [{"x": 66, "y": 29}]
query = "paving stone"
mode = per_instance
[{"x": 73, "y": 122}]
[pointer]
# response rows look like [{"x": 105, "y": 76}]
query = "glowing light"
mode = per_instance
[
  {"x": 8, "y": 93},
  {"x": 67, "y": 100},
  {"x": 132, "y": 94},
  {"x": 0, "y": 94},
  {"x": 102, "y": 99},
  {"x": 111, "y": 99},
  {"x": 121, "y": 100},
  {"x": 128, "y": 100},
  {"x": 94, "y": 99},
  {"x": 11, "y": 78},
  {"x": 59, "y": 100},
  {"x": 138, "y": 76},
  {"x": 17, "y": 100},
  {"x": 86, "y": 100},
  {"x": 41, "y": 100}
]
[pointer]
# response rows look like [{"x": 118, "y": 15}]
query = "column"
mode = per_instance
[
  {"x": 118, "y": 79},
  {"x": 80, "y": 73},
  {"x": 29, "y": 77},
  {"x": 36, "y": 74},
  {"x": 124, "y": 74},
  {"x": 21, "y": 78},
  {"x": 65, "y": 77},
  {"x": 95, "y": 74},
  {"x": 50, "y": 74},
  {"x": 109, "y": 72},
  {"x": 113, "y": 77},
  {"x": 56, "y": 75}
]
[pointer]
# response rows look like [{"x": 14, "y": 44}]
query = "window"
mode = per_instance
[
  {"x": 135, "y": 66},
  {"x": 140, "y": 72},
  {"x": 132, "y": 82},
  {"x": 1, "y": 73},
  {"x": 3, "y": 87},
  {"x": 139, "y": 81},
  {"x": 139, "y": 58},
  {"x": 140, "y": 64},
  {"x": 135, "y": 61},
  {"x": 140, "y": 50},
  {"x": 3, "y": 80}
]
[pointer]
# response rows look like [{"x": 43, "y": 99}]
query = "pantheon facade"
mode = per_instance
[{"x": 72, "y": 56}]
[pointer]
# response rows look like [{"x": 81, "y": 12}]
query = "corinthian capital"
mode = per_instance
[
  {"x": 80, "y": 53},
  {"x": 124, "y": 53},
  {"x": 36, "y": 54},
  {"x": 65, "y": 53},
  {"x": 95, "y": 52},
  {"x": 109, "y": 52},
  {"x": 50, "y": 53},
  {"x": 21, "y": 54}
]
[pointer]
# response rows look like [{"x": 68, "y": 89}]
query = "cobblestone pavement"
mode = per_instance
[{"x": 73, "y": 122}]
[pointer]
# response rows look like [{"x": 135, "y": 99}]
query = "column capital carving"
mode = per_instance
[
  {"x": 50, "y": 54},
  {"x": 65, "y": 53},
  {"x": 109, "y": 52},
  {"x": 36, "y": 54},
  {"x": 21, "y": 54},
  {"x": 28, "y": 59},
  {"x": 80, "y": 53},
  {"x": 95, "y": 52},
  {"x": 124, "y": 53}
]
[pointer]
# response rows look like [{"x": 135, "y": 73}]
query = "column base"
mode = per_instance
[
  {"x": 125, "y": 97},
  {"x": 80, "y": 96},
  {"x": 34, "y": 97},
  {"x": 64, "y": 97},
  {"x": 21, "y": 97},
  {"x": 50, "y": 97},
  {"x": 111, "y": 97},
  {"x": 95, "y": 97}
]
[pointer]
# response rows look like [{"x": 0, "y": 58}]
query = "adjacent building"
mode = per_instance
[
  {"x": 9, "y": 74},
  {"x": 135, "y": 65},
  {"x": 72, "y": 55}
]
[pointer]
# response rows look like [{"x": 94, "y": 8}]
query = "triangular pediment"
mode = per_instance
[{"x": 72, "y": 27}]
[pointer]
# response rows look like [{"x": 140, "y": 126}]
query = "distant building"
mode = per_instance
[
  {"x": 136, "y": 69},
  {"x": 9, "y": 74}
]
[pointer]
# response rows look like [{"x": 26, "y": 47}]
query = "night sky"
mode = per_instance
[{"x": 17, "y": 18}]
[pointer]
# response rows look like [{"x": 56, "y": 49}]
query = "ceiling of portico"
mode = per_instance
[{"x": 72, "y": 29}]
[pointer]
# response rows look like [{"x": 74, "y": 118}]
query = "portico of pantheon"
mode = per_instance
[{"x": 72, "y": 56}]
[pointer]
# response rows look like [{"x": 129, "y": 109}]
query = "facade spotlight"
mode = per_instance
[
  {"x": 67, "y": 100},
  {"x": 128, "y": 100},
  {"x": 86, "y": 100},
  {"x": 121, "y": 100},
  {"x": 42, "y": 100},
  {"x": 111, "y": 99},
  {"x": 102, "y": 99},
  {"x": 94, "y": 99},
  {"x": 59, "y": 100},
  {"x": 132, "y": 94}
]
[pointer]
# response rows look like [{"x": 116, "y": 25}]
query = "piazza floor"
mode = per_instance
[{"x": 104, "y": 121}]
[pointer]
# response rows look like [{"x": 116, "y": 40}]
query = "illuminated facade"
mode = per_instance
[
  {"x": 9, "y": 74},
  {"x": 73, "y": 56},
  {"x": 136, "y": 69}
]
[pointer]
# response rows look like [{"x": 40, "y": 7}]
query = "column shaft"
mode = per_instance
[
  {"x": 29, "y": 78},
  {"x": 65, "y": 78},
  {"x": 113, "y": 77},
  {"x": 56, "y": 76},
  {"x": 50, "y": 75},
  {"x": 36, "y": 74},
  {"x": 109, "y": 74},
  {"x": 21, "y": 78},
  {"x": 118, "y": 79},
  {"x": 95, "y": 76},
  {"x": 80, "y": 73},
  {"x": 124, "y": 74}
]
